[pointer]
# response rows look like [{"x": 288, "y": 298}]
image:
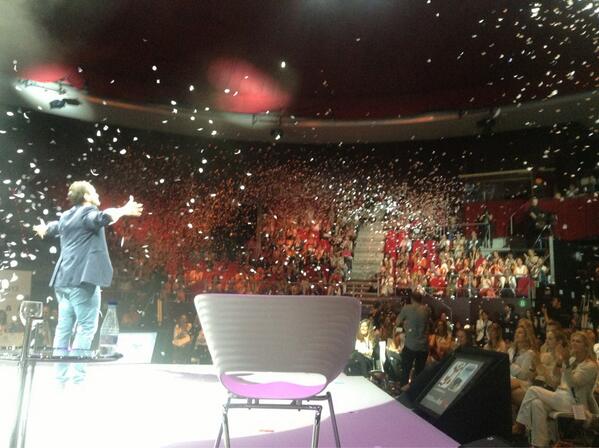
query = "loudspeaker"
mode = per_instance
[
  {"x": 468, "y": 398},
  {"x": 422, "y": 380}
]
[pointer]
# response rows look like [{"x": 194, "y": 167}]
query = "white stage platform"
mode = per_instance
[{"x": 178, "y": 406}]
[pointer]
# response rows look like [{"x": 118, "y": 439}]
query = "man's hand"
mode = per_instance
[
  {"x": 132, "y": 208},
  {"x": 41, "y": 228}
]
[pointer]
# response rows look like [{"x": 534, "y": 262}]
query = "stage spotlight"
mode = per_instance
[
  {"x": 54, "y": 97},
  {"x": 72, "y": 101},
  {"x": 57, "y": 104},
  {"x": 277, "y": 134}
]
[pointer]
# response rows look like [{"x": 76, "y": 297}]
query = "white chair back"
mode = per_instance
[{"x": 291, "y": 334}]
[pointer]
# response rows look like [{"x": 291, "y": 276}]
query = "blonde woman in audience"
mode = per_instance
[
  {"x": 548, "y": 375},
  {"x": 496, "y": 342},
  {"x": 486, "y": 285},
  {"x": 522, "y": 357},
  {"x": 578, "y": 369},
  {"x": 388, "y": 329},
  {"x": 528, "y": 325},
  {"x": 439, "y": 343},
  {"x": 395, "y": 344}
]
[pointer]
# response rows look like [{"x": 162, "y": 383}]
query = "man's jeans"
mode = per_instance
[
  {"x": 80, "y": 305},
  {"x": 411, "y": 358}
]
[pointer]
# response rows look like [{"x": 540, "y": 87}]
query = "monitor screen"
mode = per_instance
[
  {"x": 136, "y": 348},
  {"x": 451, "y": 383}
]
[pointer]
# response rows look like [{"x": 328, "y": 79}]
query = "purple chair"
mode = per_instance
[{"x": 286, "y": 348}]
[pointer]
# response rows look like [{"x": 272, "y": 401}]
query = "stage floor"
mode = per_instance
[{"x": 178, "y": 406}]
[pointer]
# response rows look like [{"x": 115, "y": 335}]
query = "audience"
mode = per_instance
[
  {"x": 464, "y": 339},
  {"x": 440, "y": 343},
  {"x": 495, "y": 340},
  {"x": 220, "y": 224},
  {"x": 548, "y": 374},
  {"x": 482, "y": 328},
  {"x": 455, "y": 266},
  {"x": 362, "y": 361},
  {"x": 522, "y": 355},
  {"x": 578, "y": 367},
  {"x": 182, "y": 340}
]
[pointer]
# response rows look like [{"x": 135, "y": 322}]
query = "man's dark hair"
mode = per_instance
[
  {"x": 469, "y": 336},
  {"x": 77, "y": 191},
  {"x": 416, "y": 297}
]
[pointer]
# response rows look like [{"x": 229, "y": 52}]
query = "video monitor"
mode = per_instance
[
  {"x": 136, "y": 347},
  {"x": 452, "y": 382}
]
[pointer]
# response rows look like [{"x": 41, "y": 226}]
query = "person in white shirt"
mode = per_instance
[
  {"x": 482, "y": 328},
  {"x": 522, "y": 355},
  {"x": 365, "y": 339},
  {"x": 578, "y": 376}
]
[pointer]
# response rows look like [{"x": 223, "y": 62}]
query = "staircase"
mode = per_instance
[
  {"x": 368, "y": 251},
  {"x": 361, "y": 289}
]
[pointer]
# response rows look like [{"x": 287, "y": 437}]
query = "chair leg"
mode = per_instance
[
  {"x": 220, "y": 434},
  {"x": 316, "y": 427},
  {"x": 333, "y": 420},
  {"x": 224, "y": 426}
]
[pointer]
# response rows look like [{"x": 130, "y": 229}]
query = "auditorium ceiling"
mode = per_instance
[{"x": 335, "y": 60}]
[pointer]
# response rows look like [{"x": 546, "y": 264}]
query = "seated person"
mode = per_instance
[
  {"x": 463, "y": 339},
  {"x": 439, "y": 343},
  {"x": 181, "y": 340},
  {"x": 200, "y": 353},
  {"x": 396, "y": 343},
  {"x": 578, "y": 368},
  {"x": 392, "y": 365},
  {"x": 482, "y": 328},
  {"x": 362, "y": 360},
  {"x": 548, "y": 374},
  {"x": 495, "y": 341},
  {"x": 522, "y": 356}
]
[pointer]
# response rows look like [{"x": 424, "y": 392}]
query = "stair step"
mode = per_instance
[
  {"x": 369, "y": 241},
  {"x": 369, "y": 252},
  {"x": 370, "y": 244},
  {"x": 366, "y": 267},
  {"x": 367, "y": 262},
  {"x": 369, "y": 249},
  {"x": 363, "y": 275}
]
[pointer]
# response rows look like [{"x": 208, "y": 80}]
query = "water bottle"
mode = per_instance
[{"x": 109, "y": 332}]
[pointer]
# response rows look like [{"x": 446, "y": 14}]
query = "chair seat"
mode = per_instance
[{"x": 274, "y": 385}]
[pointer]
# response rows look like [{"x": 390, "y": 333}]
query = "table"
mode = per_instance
[{"x": 27, "y": 360}]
